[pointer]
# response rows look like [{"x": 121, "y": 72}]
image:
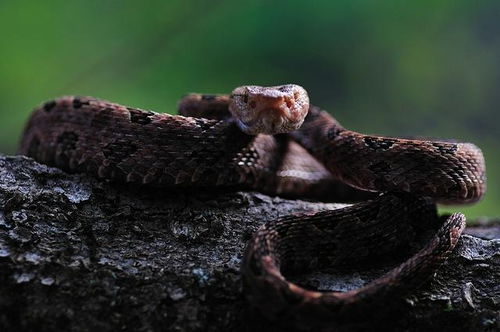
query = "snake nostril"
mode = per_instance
[{"x": 289, "y": 103}]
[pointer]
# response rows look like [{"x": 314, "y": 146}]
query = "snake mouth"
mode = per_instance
[
  {"x": 274, "y": 120},
  {"x": 270, "y": 121}
]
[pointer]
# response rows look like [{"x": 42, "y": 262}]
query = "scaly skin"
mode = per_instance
[{"x": 107, "y": 140}]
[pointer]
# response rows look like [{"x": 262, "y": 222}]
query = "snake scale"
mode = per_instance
[{"x": 270, "y": 139}]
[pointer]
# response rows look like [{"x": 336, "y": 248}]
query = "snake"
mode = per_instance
[{"x": 271, "y": 139}]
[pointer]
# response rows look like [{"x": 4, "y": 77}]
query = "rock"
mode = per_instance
[{"x": 81, "y": 254}]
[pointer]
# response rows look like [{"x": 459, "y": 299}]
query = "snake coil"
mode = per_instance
[{"x": 208, "y": 147}]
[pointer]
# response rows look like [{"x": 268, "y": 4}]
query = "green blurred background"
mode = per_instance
[{"x": 388, "y": 67}]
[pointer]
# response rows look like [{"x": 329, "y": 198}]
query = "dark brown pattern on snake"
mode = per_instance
[{"x": 81, "y": 134}]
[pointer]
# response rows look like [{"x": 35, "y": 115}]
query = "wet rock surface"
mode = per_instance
[{"x": 81, "y": 254}]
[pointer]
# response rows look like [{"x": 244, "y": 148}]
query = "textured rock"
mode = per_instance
[{"x": 79, "y": 254}]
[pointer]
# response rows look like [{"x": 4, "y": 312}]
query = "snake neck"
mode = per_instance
[{"x": 318, "y": 132}]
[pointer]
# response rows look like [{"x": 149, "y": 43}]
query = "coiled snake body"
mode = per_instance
[{"x": 81, "y": 134}]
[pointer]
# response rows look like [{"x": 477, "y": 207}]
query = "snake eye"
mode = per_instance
[
  {"x": 296, "y": 95},
  {"x": 245, "y": 98},
  {"x": 253, "y": 104}
]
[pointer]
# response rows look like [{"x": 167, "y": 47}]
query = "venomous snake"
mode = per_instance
[{"x": 270, "y": 139}]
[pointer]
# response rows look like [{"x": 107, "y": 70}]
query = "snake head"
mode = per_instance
[{"x": 269, "y": 110}]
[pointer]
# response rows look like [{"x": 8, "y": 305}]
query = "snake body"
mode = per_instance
[{"x": 207, "y": 146}]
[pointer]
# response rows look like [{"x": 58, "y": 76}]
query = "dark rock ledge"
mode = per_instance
[{"x": 77, "y": 254}]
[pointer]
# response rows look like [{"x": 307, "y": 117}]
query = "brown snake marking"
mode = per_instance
[{"x": 81, "y": 134}]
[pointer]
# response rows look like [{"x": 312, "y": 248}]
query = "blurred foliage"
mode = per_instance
[{"x": 393, "y": 67}]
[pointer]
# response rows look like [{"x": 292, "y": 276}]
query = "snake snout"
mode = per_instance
[{"x": 280, "y": 116}]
